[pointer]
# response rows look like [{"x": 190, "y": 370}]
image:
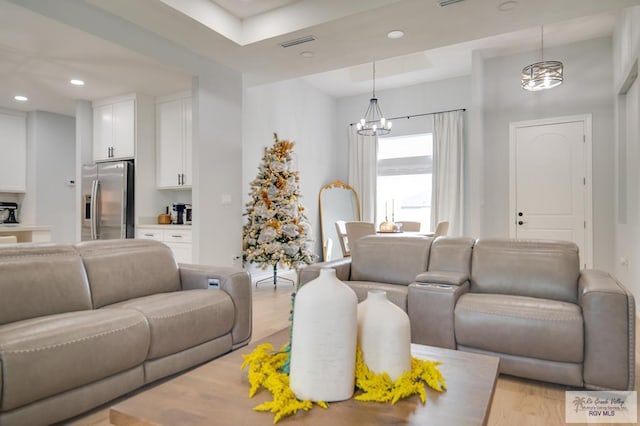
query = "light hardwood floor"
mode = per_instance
[{"x": 516, "y": 401}]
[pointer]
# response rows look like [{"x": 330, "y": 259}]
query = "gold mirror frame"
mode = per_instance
[{"x": 338, "y": 201}]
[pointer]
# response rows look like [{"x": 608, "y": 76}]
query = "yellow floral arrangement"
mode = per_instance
[
  {"x": 380, "y": 387},
  {"x": 265, "y": 370}
]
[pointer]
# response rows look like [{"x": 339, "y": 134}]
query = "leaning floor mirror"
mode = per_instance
[{"x": 338, "y": 202}]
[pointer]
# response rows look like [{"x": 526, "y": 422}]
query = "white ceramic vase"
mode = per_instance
[
  {"x": 384, "y": 335},
  {"x": 323, "y": 341}
]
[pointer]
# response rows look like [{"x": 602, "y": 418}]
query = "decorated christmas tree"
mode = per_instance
[{"x": 277, "y": 230}]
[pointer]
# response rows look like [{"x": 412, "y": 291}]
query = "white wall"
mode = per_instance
[
  {"x": 24, "y": 211},
  {"x": 51, "y": 153},
  {"x": 217, "y": 165},
  {"x": 474, "y": 149},
  {"x": 627, "y": 200},
  {"x": 417, "y": 99},
  {"x": 148, "y": 202},
  {"x": 586, "y": 90},
  {"x": 300, "y": 113},
  {"x": 84, "y": 154}
]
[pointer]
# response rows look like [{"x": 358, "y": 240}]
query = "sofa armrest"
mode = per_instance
[
  {"x": 609, "y": 330},
  {"x": 235, "y": 282},
  {"x": 311, "y": 272},
  {"x": 431, "y": 309},
  {"x": 443, "y": 277}
]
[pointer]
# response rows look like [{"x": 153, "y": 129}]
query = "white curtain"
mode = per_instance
[
  {"x": 363, "y": 171},
  {"x": 448, "y": 191}
]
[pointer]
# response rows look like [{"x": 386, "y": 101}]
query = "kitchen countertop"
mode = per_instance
[{"x": 19, "y": 227}]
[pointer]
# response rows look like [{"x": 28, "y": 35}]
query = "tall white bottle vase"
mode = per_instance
[
  {"x": 323, "y": 341},
  {"x": 384, "y": 335}
]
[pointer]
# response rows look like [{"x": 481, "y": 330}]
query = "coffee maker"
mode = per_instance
[
  {"x": 178, "y": 213},
  {"x": 8, "y": 212}
]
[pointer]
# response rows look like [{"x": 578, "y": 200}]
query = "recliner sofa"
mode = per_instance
[
  {"x": 81, "y": 325},
  {"x": 526, "y": 302}
]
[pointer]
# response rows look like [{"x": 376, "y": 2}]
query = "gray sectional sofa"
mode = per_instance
[
  {"x": 526, "y": 302},
  {"x": 81, "y": 325}
]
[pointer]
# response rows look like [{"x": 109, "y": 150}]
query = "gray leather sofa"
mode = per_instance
[
  {"x": 526, "y": 302},
  {"x": 81, "y": 325}
]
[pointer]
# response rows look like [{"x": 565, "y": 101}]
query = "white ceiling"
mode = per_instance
[
  {"x": 243, "y": 9},
  {"x": 38, "y": 55}
]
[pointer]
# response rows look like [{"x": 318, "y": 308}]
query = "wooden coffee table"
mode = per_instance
[{"x": 217, "y": 393}]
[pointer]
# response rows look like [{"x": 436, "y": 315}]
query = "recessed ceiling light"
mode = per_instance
[
  {"x": 395, "y": 34},
  {"x": 76, "y": 82},
  {"x": 507, "y": 6},
  {"x": 20, "y": 98},
  {"x": 306, "y": 54}
]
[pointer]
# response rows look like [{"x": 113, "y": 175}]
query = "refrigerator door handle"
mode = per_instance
[
  {"x": 93, "y": 212},
  {"x": 123, "y": 222}
]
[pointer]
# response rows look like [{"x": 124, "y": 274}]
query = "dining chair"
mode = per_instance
[
  {"x": 341, "y": 230},
  {"x": 357, "y": 230},
  {"x": 408, "y": 226},
  {"x": 442, "y": 228}
]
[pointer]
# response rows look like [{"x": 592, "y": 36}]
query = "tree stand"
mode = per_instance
[{"x": 276, "y": 278}]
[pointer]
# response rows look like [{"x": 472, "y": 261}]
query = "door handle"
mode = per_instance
[{"x": 94, "y": 210}]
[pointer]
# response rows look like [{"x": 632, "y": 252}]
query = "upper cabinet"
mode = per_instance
[
  {"x": 114, "y": 129},
  {"x": 13, "y": 149},
  {"x": 173, "y": 136}
]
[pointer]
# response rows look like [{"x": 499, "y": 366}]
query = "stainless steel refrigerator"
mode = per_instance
[{"x": 107, "y": 194}]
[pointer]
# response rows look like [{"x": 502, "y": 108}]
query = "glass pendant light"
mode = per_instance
[{"x": 544, "y": 74}]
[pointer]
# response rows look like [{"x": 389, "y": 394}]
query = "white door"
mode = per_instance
[{"x": 550, "y": 182}]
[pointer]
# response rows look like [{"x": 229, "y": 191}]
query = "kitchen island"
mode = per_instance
[{"x": 27, "y": 233}]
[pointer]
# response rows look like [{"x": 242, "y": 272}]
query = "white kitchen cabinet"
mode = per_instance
[
  {"x": 177, "y": 238},
  {"x": 149, "y": 234},
  {"x": 174, "y": 141},
  {"x": 114, "y": 130},
  {"x": 13, "y": 152}
]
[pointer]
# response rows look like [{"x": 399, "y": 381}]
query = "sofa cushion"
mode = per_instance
[
  {"x": 389, "y": 259},
  {"x": 182, "y": 319},
  {"x": 125, "y": 269},
  {"x": 544, "y": 269},
  {"x": 397, "y": 294},
  {"x": 50, "y": 278},
  {"x": 44, "y": 356},
  {"x": 451, "y": 254},
  {"x": 524, "y": 326}
]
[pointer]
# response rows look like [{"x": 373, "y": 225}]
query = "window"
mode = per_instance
[{"x": 405, "y": 169}]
